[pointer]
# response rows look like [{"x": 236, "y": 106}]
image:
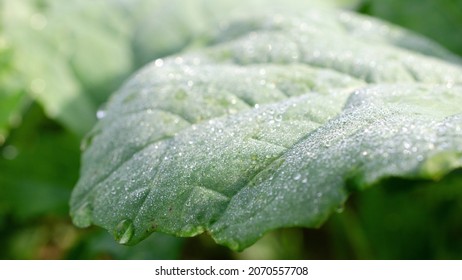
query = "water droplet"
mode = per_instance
[
  {"x": 159, "y": 62},
  {"x": 297, "y": 177},
  {"x": 100, "y": 114},
  {"x": 82, "y": 217},
  {"x": 124, "y": 231}
]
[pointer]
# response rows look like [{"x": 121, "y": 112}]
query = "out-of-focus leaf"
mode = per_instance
[
  {"x": 421, "y": 219},
  {"x": 54, "y": 53},
  {"x": 265, "y": 129},
  {"x": 100, "y": 245},
  {"x": 440, "y": 20},
  {"x": 12, "y": 98},
  {"x": 69, "y": 57},
  {"x": 38, "y": 166}
]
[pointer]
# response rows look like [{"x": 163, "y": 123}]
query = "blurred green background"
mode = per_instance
[{"x": 61, "y": 59}]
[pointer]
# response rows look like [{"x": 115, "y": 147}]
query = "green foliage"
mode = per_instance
[
  {"x": 69, "y": 59},
  {"x": 437, "y": 19},
  {"x": 319, "y": 104},
  {"x": 60, "y": 60}
]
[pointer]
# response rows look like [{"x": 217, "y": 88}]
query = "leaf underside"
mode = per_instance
[{"x": 263, "y": 129}]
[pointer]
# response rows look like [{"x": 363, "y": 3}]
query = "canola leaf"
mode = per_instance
[{"x": 266, "y": 128}]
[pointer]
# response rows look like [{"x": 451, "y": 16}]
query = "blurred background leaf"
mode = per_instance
[{"x": 440, "y": 20}]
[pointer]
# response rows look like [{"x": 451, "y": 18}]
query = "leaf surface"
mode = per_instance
[{"x": 265, "y": 128}]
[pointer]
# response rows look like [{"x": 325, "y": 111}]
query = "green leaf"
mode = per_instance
[
  {"x": 12, "y": 98},
  {"x": 427, "y": 17},
  {"x": 268, "y": 127},
  {"x": 69, "y": 59},
  {"x": 100, "y": 245},
  {"x": 29, "y": 186}
]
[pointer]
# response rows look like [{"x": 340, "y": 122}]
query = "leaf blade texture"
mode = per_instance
[{"x": 263, "y": 129}]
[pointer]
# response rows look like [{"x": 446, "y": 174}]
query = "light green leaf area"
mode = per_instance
[
  {"x": 271, "y": 127},
  {"x": 69, "y": 57},
  {"x": 55, "y": 46},
  {"x": 427, "y": 17},
  {"x": 11, "y": 98}
]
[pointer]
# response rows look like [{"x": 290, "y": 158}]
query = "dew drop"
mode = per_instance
[
  {"x": 124, "y": 231},
  {"x": 159, "y": 62},
  {"x": 82, "y": 217},
  {"x": 297, "y": 177},
  {"x": 100, "y": 114}
]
